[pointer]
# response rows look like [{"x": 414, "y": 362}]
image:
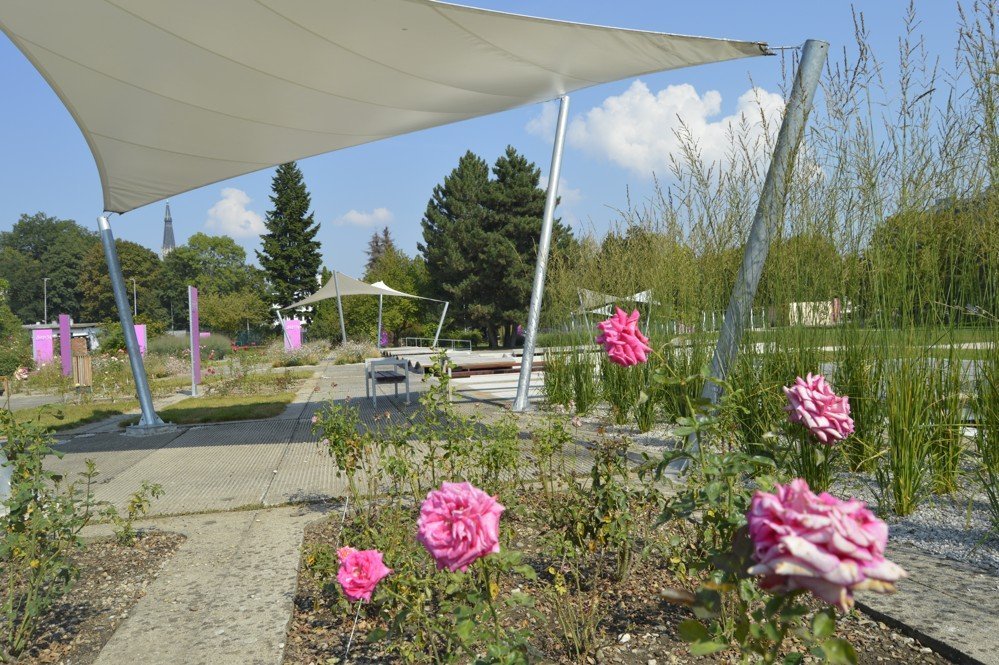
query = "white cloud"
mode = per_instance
[
  {"x": 377, "y": 217},
  {"x": 543, "y": 124},
  {"x": 638, "y": 129},
  {"x": 230, "y": 215}
]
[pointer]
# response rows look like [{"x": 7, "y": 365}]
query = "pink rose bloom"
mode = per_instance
[
  {"x": 458, "y": 524},
  {"x": 812, "y": 403},
  {"x": 819, "y": 543},
  {"x": 315, "y": 419},
  {"x": 624, "y": 342},
  {"x": 360, "y": 572}
]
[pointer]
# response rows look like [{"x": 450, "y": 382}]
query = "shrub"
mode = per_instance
[
  {"x": 14, "y": 354},
  {"x": 39, "y": 534},
  {"x": 169, "y": 345}
]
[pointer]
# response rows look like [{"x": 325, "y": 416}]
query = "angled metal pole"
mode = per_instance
[
  {"x": 769, "y": 212},
  {"x": 339, "y": 309},
  {"x": 149, "y": 422},
  {"x": 537, "y": 292},
  {"x": 378, "y": 342},
  {"x": 437, "y": 335}
]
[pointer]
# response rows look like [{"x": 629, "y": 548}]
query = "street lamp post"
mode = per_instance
[{"x": 45, "y": 296}]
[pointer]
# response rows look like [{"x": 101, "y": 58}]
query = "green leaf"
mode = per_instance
[
  {"x": 705, "y": 648},
  {"x": 464, "y": 630},
  {"x": 823, "y": 625},
  {"x": 692, "y": 630},
  {"x": 839, "y": 651},
  {"x": 793, "y": 659},
  {"x": 526, "y": 571}
]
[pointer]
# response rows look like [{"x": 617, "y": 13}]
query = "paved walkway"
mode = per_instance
[
  {"x": 953, "y": 609},
  {"x": 226, "y": 596}
]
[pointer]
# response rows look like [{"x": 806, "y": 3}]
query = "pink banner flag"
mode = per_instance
[
  {"x": 41, "y": 346},
  {"x": 140, "y": 336},
  {"x": 192, "y": 297},
  {"x": 65, "y": 345},
  {"x": 292, "y": 334}
]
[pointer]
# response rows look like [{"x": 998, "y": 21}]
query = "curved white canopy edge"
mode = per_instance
[{"x": 175, "y": 95}]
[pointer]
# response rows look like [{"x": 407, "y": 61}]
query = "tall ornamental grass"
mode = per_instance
[
  {"x": 987, "y": 432},
  {"x": 904, "y": 474}
]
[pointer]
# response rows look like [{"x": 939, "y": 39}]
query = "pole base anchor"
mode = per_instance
[{"x": 150, "y": 430}]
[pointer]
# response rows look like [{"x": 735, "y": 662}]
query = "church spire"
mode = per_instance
[{"x": 168, "y": 242}]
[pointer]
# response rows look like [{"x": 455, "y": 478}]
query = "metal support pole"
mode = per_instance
[
  {"x": 769, "y": 212},
  {"x": 339, "y": 309},
  {"x": 149, "y": 422},
  {"x": 378, "y": 342},
  {"x": 537, "y": 292},
  {"x": 440, "y": 325}
]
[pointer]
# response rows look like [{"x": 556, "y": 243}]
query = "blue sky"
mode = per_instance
[{"x": 45, "y": 164}]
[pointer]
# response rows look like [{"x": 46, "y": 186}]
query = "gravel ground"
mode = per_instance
[{"x": 953, "y": 527}]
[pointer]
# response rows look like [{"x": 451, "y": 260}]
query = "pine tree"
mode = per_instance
[
  {"x": 379, "y": 244},
  {"x": 516, "y": 205},
  {"x": 290, "y": 256},
  {"x": 480, "y": 241},
  {"x": 453, "y": 236}
]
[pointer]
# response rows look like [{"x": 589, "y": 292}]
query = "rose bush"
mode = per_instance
[
  {"x": 360, "y": 572},
  {"x": 624, "y": 342},
  {"x": 812, "y": 403},
  {"x": 818, "y": 542},
  {"x": 459, "y": 524}
]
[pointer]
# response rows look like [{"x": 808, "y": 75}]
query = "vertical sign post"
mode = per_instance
[
  {"x": 41, "y": 342},
  {"x": 192, "y": 299},
  {"x": 140, "y": 336},
  {"x": 292, "y": 334},
  {"x": 65, "y": 345}
]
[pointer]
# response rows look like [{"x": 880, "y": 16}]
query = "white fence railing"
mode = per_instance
[{"x": 454, "y": 344}]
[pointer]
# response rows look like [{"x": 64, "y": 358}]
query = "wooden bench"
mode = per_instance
[{"x": 385, "y": 370}]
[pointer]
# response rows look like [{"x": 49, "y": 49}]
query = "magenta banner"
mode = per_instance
[
  {"x": 140, "y": 336},
  {"x": 192, "y": 298},
  {"x": 292, "y": 334},
  {"x": 65, "y": 345},
  {"x": 41, "y": 346}
]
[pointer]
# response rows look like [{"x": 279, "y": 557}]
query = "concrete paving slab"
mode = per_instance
[
  {"x": 952, "y": 607},
  {"x": 226, "y": 596}
]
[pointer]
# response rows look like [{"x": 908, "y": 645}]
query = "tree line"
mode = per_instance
[{"x": 478, "y": 251}]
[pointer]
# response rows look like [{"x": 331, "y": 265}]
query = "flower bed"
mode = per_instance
[{"x": 746, "y": 558}]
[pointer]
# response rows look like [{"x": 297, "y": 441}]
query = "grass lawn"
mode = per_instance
[
  {"x": 65, "y": 416},
  {"x": 197, "y": 410}
]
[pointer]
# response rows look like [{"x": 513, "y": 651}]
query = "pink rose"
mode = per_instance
[
  {"x": 360, "y": 572},
  {"x": 315, "y": 419},
  {"x": 458, "y": 524},
  {"x": 624, "y": 342},
  {"x": 819, "y": 543},
  {"x": 812, "y": 403}
]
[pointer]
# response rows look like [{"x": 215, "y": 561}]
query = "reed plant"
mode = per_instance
[
  {"x": 987, "y": 431},
  {"x": 558, "y": 388},
  {"x": 904, "y": 475},
  {"x": 621, "y": 387},
  {"x": 585, "y": 380},
  {"x": 860, "y": 376},
  {"x": 947, "y": 414}
]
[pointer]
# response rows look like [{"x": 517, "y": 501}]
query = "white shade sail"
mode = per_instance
[
  {"x": 348, "y": 286},
  {"x": 175, "y": 95}
]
